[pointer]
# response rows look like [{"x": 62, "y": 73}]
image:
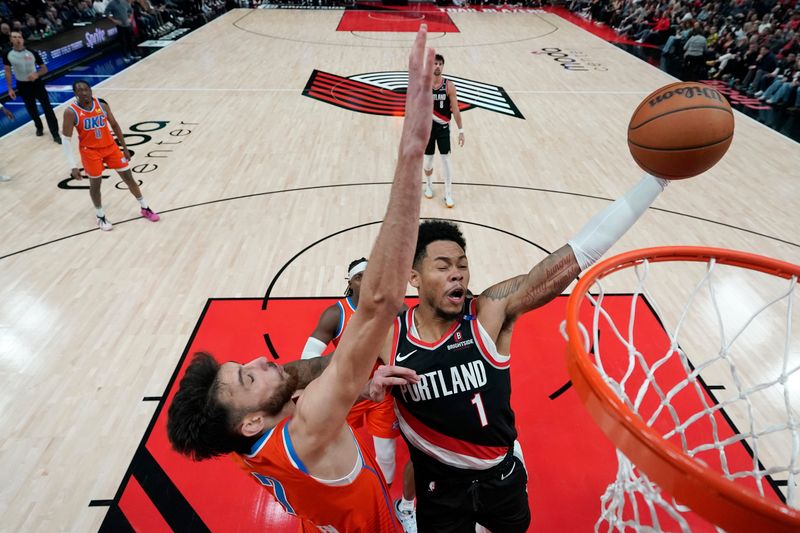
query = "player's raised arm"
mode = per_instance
[
  {"x": 323, "y": 407},
  {"x": 504, "y": 302}
]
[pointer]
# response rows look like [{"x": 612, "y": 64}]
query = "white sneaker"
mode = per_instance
[
  {"x": 104, "y": 224},
  {"x": 5, "y": 178},
  {"x": 408, "y": 519},
  {"x": 428, "y": 192},
  {"x": 448, "y": 201}
]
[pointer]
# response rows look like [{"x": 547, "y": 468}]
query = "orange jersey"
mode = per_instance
[
  {"x": 359, "y": 502},
  {"x": 92, "y": 125},
  {"x": 346, "y": 310},
  {"x": 380, "y": 418}
]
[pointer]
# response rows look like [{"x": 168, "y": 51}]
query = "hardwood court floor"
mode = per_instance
[{"x": 247, "y": 172}]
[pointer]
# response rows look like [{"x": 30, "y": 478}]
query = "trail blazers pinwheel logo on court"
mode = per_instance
[{"x": 384, "y": 93}]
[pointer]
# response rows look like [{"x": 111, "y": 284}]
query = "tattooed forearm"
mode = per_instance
[
  {"x": 308, "y": 370},
  {"x": 546, "y": 285},
  {"x": 504, "y": 289}
]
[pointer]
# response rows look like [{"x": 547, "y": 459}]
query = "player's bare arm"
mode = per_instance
[
  {"x": 307, "y": 370},
  {"x": 323, "y": 333},
  {"x": 112, "y": 121},
  {"x": 451, "y": 92},
  {"x": 318, "y": 429},
  {"x": 327, "y": 325},
  {"x": 67, "y": 128},
  {"x": 500, "y": 305}
]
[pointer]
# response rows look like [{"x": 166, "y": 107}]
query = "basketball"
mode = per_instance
[{"x": 680, "y": 130}]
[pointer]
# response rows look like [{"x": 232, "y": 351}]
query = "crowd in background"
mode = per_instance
[
  {"x": 753, "y": 45},
  {"x": 40, "y": 19}
]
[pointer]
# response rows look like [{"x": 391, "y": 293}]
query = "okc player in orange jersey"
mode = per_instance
[
  {"x": 379, "y": 417},
  {"x": 92, "y": 118},
  {"x": 304, "y": 452}
]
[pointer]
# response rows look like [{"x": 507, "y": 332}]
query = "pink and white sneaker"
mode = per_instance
[
  {"x": 104, "y": 224},
  {"x": 150, "y": 215}
]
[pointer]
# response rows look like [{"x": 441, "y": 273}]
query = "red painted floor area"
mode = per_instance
[
  {"x": 570, "y": 462},
  {"x": 396, "y": 19}
]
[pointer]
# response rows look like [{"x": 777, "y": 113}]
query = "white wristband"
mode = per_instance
[
  {"x": 313, "y": 348},
  {"x": 460, "y": 131},
  {"x": 598, "y": 235},
  {"x": 66, "y": 144}
]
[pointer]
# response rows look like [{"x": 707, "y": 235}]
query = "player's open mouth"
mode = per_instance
[{"x": 456, "y": 296}]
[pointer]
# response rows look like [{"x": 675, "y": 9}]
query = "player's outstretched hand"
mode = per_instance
[
  {"x": 386, "y": 376},
  {"x": 419, "y": 98}
]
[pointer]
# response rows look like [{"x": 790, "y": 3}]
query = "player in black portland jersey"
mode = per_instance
[
  {"x": 445, "y": 105},
  {"x": 457, "y": 420}
]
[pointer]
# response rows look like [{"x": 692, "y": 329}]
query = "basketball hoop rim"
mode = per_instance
[{"x": 706, "y": 492}]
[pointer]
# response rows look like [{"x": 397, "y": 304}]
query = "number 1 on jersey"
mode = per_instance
[{"x": 477, "y": 401}]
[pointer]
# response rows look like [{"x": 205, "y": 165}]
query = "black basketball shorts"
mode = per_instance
[
  {"x": 440, "y": 134},
  {"x": 498, "y": 500}
]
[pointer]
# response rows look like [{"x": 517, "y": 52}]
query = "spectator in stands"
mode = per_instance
[
  {"x": 144, "y": 14},
  {"x": 31, "y": 28},
  {"x": 5, "y": 36},
  {"x": 677, "y": 40},
  {"x": 764, "y": 64},
  {"x": 780, "y": 90},
  {"x": 694, "y": 54},
  {"x": 783, "y": 70},
  {"x": 120, "y": 13},
  {"x": 658, "y": 33},
  {"x": 85, "y": 11},
  {"x": 99, "y": 6}
]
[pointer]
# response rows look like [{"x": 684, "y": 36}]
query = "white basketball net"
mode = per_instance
[{"x": 701, "y": 430}]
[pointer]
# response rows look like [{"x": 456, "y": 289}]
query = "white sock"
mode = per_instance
[
  {"x": 406, "y": 505},
  {"x": 99, "y": 212},
  {"x": 384, "y": 453},
  {"x": 142, "y": 202},
  {"x": 427, "y": 166},
  {"x": 447, "y": 174}
]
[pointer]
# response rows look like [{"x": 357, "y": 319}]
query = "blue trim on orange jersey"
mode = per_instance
[
  {"x": 259, "y": 443},
  {"x": 293, "y": 457},
  {"x": 350, "y": 303},
  {"x": 340, "y": 327}
]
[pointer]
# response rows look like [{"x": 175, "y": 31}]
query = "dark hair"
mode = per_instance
[
  {"x": 355, "y": 262},
  {"x": 349, "y": 291},
  {"x": 436, "y": 230},
  {"x": 198, "y": 425},
  {"x": 439, "y": 57},
  {"x": 78, "y": 82}
]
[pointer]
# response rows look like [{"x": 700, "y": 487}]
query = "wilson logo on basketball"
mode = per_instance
[
  {"x": 687, "y": 92},
  {"x": 384, "y": 93}
]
